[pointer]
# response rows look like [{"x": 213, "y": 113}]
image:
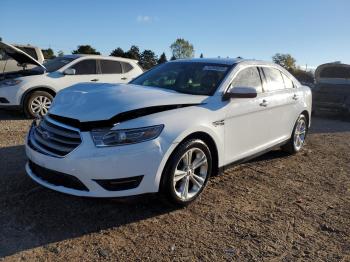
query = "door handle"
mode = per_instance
[
  {"x": 295, "y": 97},
  {"x": 124, "y": 78},
  {"x": 264, "y": 103},
  {"x": 94, "y": 80}
]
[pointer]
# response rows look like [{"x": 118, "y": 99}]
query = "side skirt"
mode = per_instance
[{"x": 246, "y": 159}]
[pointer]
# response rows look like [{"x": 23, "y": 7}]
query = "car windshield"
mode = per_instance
[
  {"x": 197, "y": 78},
  {"x": 56, "y": 63}
]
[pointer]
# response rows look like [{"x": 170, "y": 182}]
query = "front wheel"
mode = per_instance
[
  {"x": 37, "y": 103},
  {"x": 186, "y": 172},
  {"x": 298, "y": 137}
]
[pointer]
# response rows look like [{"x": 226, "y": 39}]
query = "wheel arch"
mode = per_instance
[
  {"x": 307, "y": 115},
  {"x": 47, "y": 89}
]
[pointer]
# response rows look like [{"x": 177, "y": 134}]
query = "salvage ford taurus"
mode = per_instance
[{"x": 167, "y": 131}]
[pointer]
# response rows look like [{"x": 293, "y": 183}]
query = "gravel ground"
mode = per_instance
[{"x": 274, "y": 208}]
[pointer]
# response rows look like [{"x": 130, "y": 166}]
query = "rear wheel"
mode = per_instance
[
  {"x": 187, "y": 172},
  {"x": 37, "y": 103},
  {"x": 298, "y": 137}
]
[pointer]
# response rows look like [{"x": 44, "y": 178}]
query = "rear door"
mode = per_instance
[
  {"x": 280, "y": 104},
  {"x": 111, "y": 71}
]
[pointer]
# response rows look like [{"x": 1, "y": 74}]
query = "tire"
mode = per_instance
[
  {"x": 295, "y": 144},
  {"x": 37, "y": 102},
  {"x": 194, "y": 179}
]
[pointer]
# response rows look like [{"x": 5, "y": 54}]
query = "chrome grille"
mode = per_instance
[{"x": 53, "y": 138}]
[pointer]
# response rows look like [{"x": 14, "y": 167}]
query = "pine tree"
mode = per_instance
[{"x": 162, "y": 59}]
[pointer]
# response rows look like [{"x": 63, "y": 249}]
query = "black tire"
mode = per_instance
[
  {"x": 167, "y": 187},
  {"x": 291, "y": 147},
  {"x": 29, "y": 100}
]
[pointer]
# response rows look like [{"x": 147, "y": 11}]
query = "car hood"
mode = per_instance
[
  {"x": 20, "y": 56},
  {"x": 88, "y": 102}
]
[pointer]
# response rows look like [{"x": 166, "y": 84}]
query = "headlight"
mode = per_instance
[
  {"x": 10, "y": 82},
  {"x": 125, "y": 136}
]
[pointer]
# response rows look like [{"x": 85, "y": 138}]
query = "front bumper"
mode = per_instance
[
  {"x": 8, "y": 95},
  {"x": 91, "y": 165}
]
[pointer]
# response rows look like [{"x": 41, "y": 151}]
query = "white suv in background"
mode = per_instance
[{"x": 32, "y": 90}]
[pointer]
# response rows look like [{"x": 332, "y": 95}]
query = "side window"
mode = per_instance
[
  {"x": 274, "y": 79},
  {"x": 287, "y": 82},
  {"x": 110, "y": 67},
  {"x": 85, "y": 67},
  {"x": 127, "y": 67},
  {"x": 248, "y": 77}
]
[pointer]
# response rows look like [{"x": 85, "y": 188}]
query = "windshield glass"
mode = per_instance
[
  {"x": 56, "y": 63},
  {"x": 195, "y": 78}
]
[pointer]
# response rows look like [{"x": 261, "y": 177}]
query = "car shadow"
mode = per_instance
[
  {"x": 33, "y": 216},
  {"x": 6, "y": 114}
]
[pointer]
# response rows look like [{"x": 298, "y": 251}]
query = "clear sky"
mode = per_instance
[{"x": 313, "y": 31}]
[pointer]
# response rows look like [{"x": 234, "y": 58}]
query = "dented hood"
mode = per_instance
[
  {"x": 18, "y": 55},
  {"x": 88, "y": 102}
]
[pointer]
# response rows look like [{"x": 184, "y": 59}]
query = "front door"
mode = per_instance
[
  {"x": 85, "y": 71},
  {"x": 246, "y": 131}
]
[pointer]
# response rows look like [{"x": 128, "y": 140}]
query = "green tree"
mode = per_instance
[
  {"x": 0, "y": 38},
  {"x": 285, "y": 60},
  {"x": 86, "y": 49},
  {"x": 133, "y": 53},
  {"x": 60, "y": 53},
  {"x": 148, "y": 59},
  {"x": 201, "y": 56},
  {"x": 118, "y": 52},
  {"x": 172, "y": 58},
  {"x": 48, "y": 53},
  {"x": 162, "y": 59},
  {"x": 181, "y": 48}
]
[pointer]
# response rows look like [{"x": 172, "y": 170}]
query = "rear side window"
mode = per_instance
[
  {"x": 127, "y": 67},
  {"x": 287, "y": 82},
  {"x": 85, "y": 67},
  {"x": 248, "y": 77},
  {"x": 30, "y": 51},
  {"x": 110, "y": 67},
  {"x": 274, "y": 79}
]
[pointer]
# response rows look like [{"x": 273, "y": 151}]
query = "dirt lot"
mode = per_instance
[{"x": 275, "y": 208}]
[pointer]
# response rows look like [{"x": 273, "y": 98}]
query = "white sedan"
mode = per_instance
[{"x": 167, "y": 131}]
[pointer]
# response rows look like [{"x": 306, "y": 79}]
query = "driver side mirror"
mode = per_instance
[
  {"x": 69, "y": 71},
  {"x": 240, "y": 92}
]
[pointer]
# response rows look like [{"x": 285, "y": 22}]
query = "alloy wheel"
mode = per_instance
[
  {"x": 40, "y": 105},
  {"x": 300, "y": 133},
  {"x": 190, "y": 174}
]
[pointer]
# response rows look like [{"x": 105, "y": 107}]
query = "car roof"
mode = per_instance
[
  {"x": 225, "y": 61},
  {"x": 100, "y": 57}
]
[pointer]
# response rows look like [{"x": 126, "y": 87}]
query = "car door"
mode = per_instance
[
  {"x": 112, "y": 71},
  {"x": 246, "y": 131},
  {"x": 85, "y": 71},
  {"x": 279, "y": 105}
]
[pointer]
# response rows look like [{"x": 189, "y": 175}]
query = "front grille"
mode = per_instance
[
  {"x": 57, "y": 178},
  {"x": 51, "y": 138}
]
